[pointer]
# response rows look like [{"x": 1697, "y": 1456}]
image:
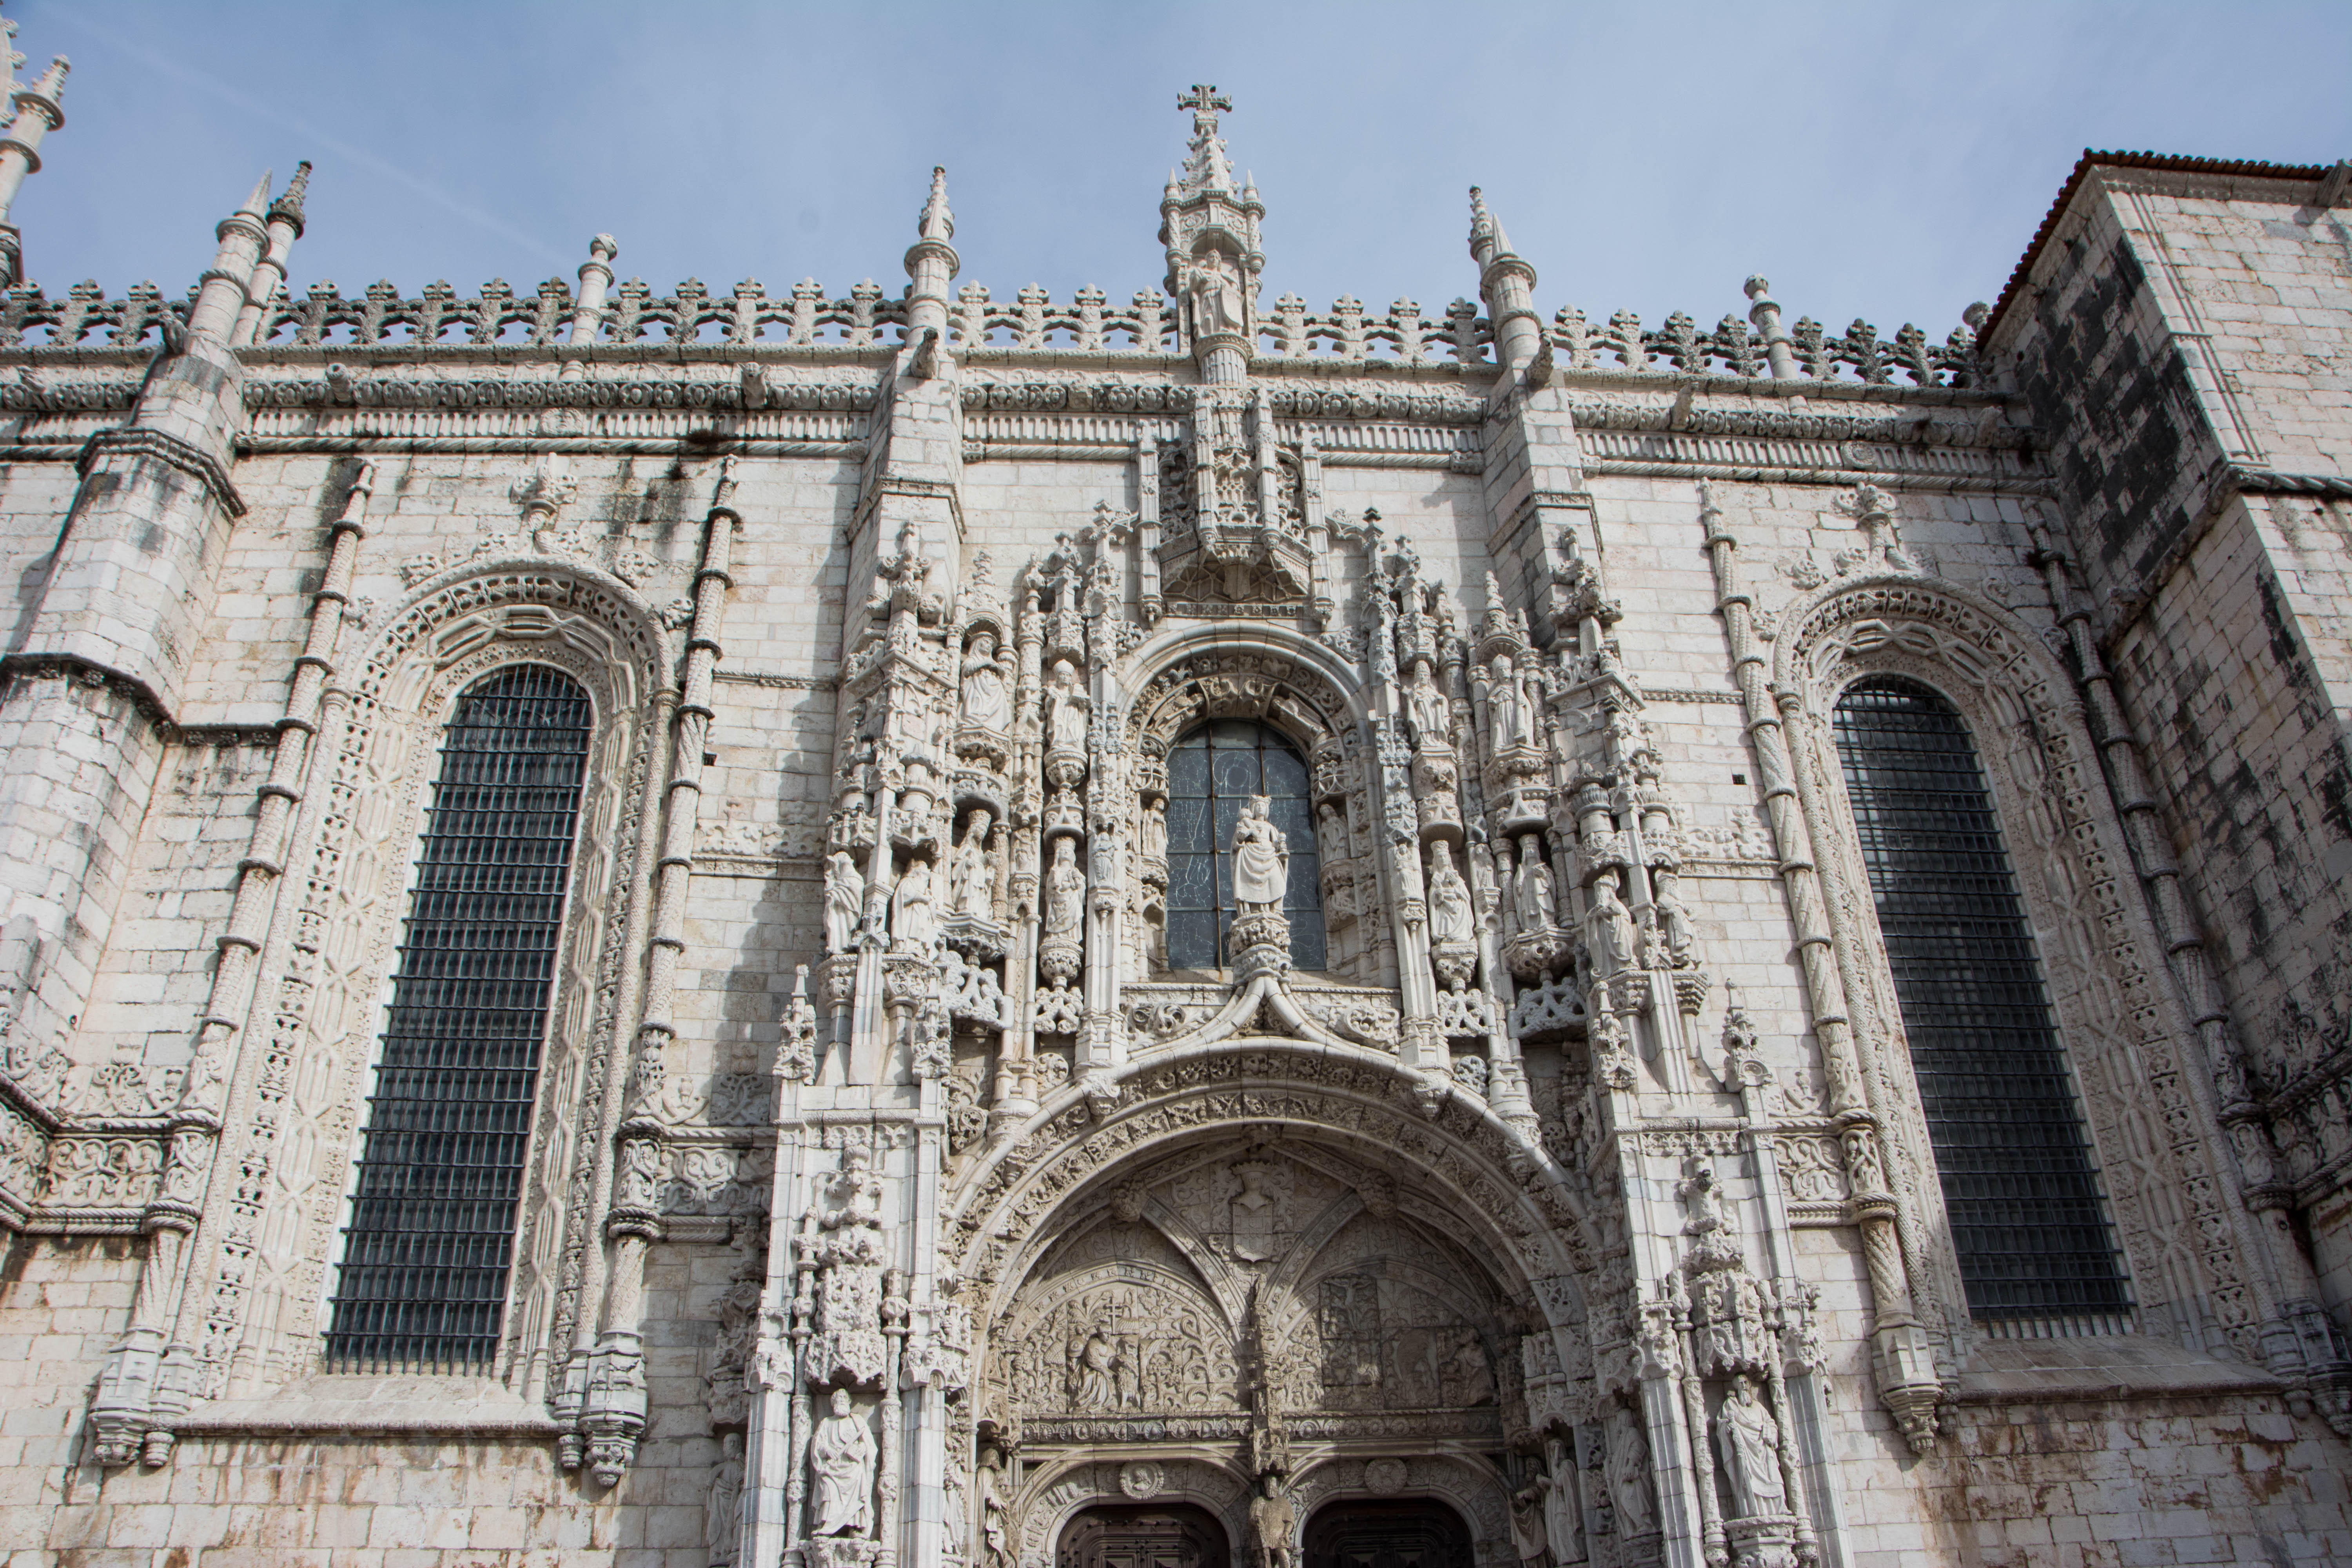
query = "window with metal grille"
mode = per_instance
[
  {"x": 2019, "y": 1185},
  {"x": 1212, "y": 772},
  {"x": 430, "y": 1233}
]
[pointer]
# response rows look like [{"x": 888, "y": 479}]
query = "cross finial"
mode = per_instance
[{"x": 1205, "y": 99}]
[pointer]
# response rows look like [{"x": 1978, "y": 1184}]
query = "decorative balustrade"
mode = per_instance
[{"x": 438, "y": 317}]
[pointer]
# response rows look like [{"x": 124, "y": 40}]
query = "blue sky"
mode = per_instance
[{"x": 1883, "y": 161}]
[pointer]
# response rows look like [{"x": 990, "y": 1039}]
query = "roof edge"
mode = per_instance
[{"x": 2094, "y": 159}]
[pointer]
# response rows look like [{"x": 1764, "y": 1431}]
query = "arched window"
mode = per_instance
[
  {"x": 430, "y": 1233},
  {"x": 2019, "y": 1186},
  {"x": 1212, "y": 772}
]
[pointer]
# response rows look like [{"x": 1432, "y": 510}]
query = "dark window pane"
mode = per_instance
[
  {"x": 2027, "y": 1220},
  {"x": 427, "y": 1250},
  {"x": 1212, "y": 772},
  {"x": 1188, "y": 825}
]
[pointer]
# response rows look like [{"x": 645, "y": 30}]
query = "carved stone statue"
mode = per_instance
[
  {"x": 841, "y": 1455},
  {"x": 1533, "y": 899},
  {"x": 1066, "y": 708},
  {"x": 995, "y": 1540},
  {"x": 1609, "y": 928},
  {"x": 1330, "y": 835},
  {"x": 1563, "y": 1521},
  {"x": 1629, "y": 1474},
  {"x": 1529, "y": 1537},
  {"x": 914, "y": 918},
  {"x": 1426, "y": 706},
  {"x": 985, "y": 703},
  {"x": 1273, "y": 1523},
  {"x": 1450, "y": 919},
  {"x": 973, "y": 884},
  {"x": 1261, "y": 860},
  {"x": 1066, "y": 891},
  {"x": 1673, "y": 920},
  {"x": 1155, "y": 831},
  {"x": 722, "y": 1505},
  {"x": 1217, "y": 301},
  {"x": 1750, "y": 1439},
  {"x": 1506, "y": 706},
  {"x": 844, "y": 900}
]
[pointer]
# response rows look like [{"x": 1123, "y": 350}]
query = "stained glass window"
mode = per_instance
[
  {"x": 2019, "y": 1184},
  {"x": 1212, "y": 772},
  {"x": 431, "y": 1230}
]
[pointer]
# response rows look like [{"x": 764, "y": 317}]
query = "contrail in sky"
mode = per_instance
[{"x": 343, "y": 150}]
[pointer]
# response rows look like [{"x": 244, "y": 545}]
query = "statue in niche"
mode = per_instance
[
  {"x": 1450, "y": 917},
  {"x": 1066, "y": 891},
  {"x": 985, "y": 703},
  {"x": 995, "y": 1541},
  {"x": 1217, "y": 302},
  {"x": 1563, "y": 1524},
  {"x": 1155, "y": 831},
  {"x": 1507, "y": 703},
  {"x": 1750, "y": 1439},
  {"x": 1608, "y": 929},
  {"x": 1468, "y": 1379},
  {"x": 1426, "y": 706},
  {"x": 842, "y": 1235},
  {"x": 1273, "y": 1523},
  {"x": 842, "y": 1454},
  {"x": 1506, "y": 891},
  {"x": 721, "y": 1505},
  {"x": 914, "y": 919},
  {"x": 1066, "y": 705},
  {"x": 1629, "y": 1474},
  {"x": 1673, "y": 920},
  {"x": 844, "y": 900},
  {"x": 1261, "y": 861},
  {"x": 1529, "y": 1536},
  {"x": 1533, "y": 896},
  {"x": 1330, "y": 835},
  {"x": 972, "y": 883}
]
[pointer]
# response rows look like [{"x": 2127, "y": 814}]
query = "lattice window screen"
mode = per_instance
[
  {"x": 1212, "y": 772},
  {"x": 2023, "y": 1199},
  {"x": 431, "y": 1229}
]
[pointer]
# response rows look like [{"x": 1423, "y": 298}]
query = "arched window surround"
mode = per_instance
[
  {"x": 257, "y": 1295},
  {"x": 568, "y": 914},
  {"x": 2143, "y": 1084}
]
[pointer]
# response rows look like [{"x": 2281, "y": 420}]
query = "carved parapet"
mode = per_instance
[
  {"x": 981, "y": 786},
  {"x": 852, "y": 829},
  {"x": 1516, "y": 808},
  {"x": 1535, "y": 955},
  {"x": 1060, "y": 1010},
  {"x": 1436, "y": 789},
  {"x": 1465, "y": 1014},
  {"x": 1903, "y": 1364}
]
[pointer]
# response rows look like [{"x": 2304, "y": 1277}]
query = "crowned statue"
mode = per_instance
[{"x": 1261, "y": 861}]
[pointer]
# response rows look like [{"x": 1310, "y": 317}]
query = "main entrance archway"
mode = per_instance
[
  {"x": 1405, "y": 1532},
  {"x": 1158, "y": 1535}
]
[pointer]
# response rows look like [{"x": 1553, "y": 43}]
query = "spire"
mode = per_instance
[
  {"x": 31, "y": 114},
  {"x": 1508, "y": 284},
  {"x": 1487, "y": 239},
  {"x": 1207, "y": 166},
  {"x": 932, "y": 265},
  {"x": 258, "y": 203},
  {"x": 287, "y": 208},
  {"x": 937, "y": 222},
  {"x": 1210, "y": 230}
]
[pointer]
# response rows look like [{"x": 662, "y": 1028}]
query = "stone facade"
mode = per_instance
[{"x": 900, "y": 1184}]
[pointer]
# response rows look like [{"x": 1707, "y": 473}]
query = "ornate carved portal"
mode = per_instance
[
  {"x": 1164, "y": 1536},
  {"x": 1407, "y": 1533}
]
